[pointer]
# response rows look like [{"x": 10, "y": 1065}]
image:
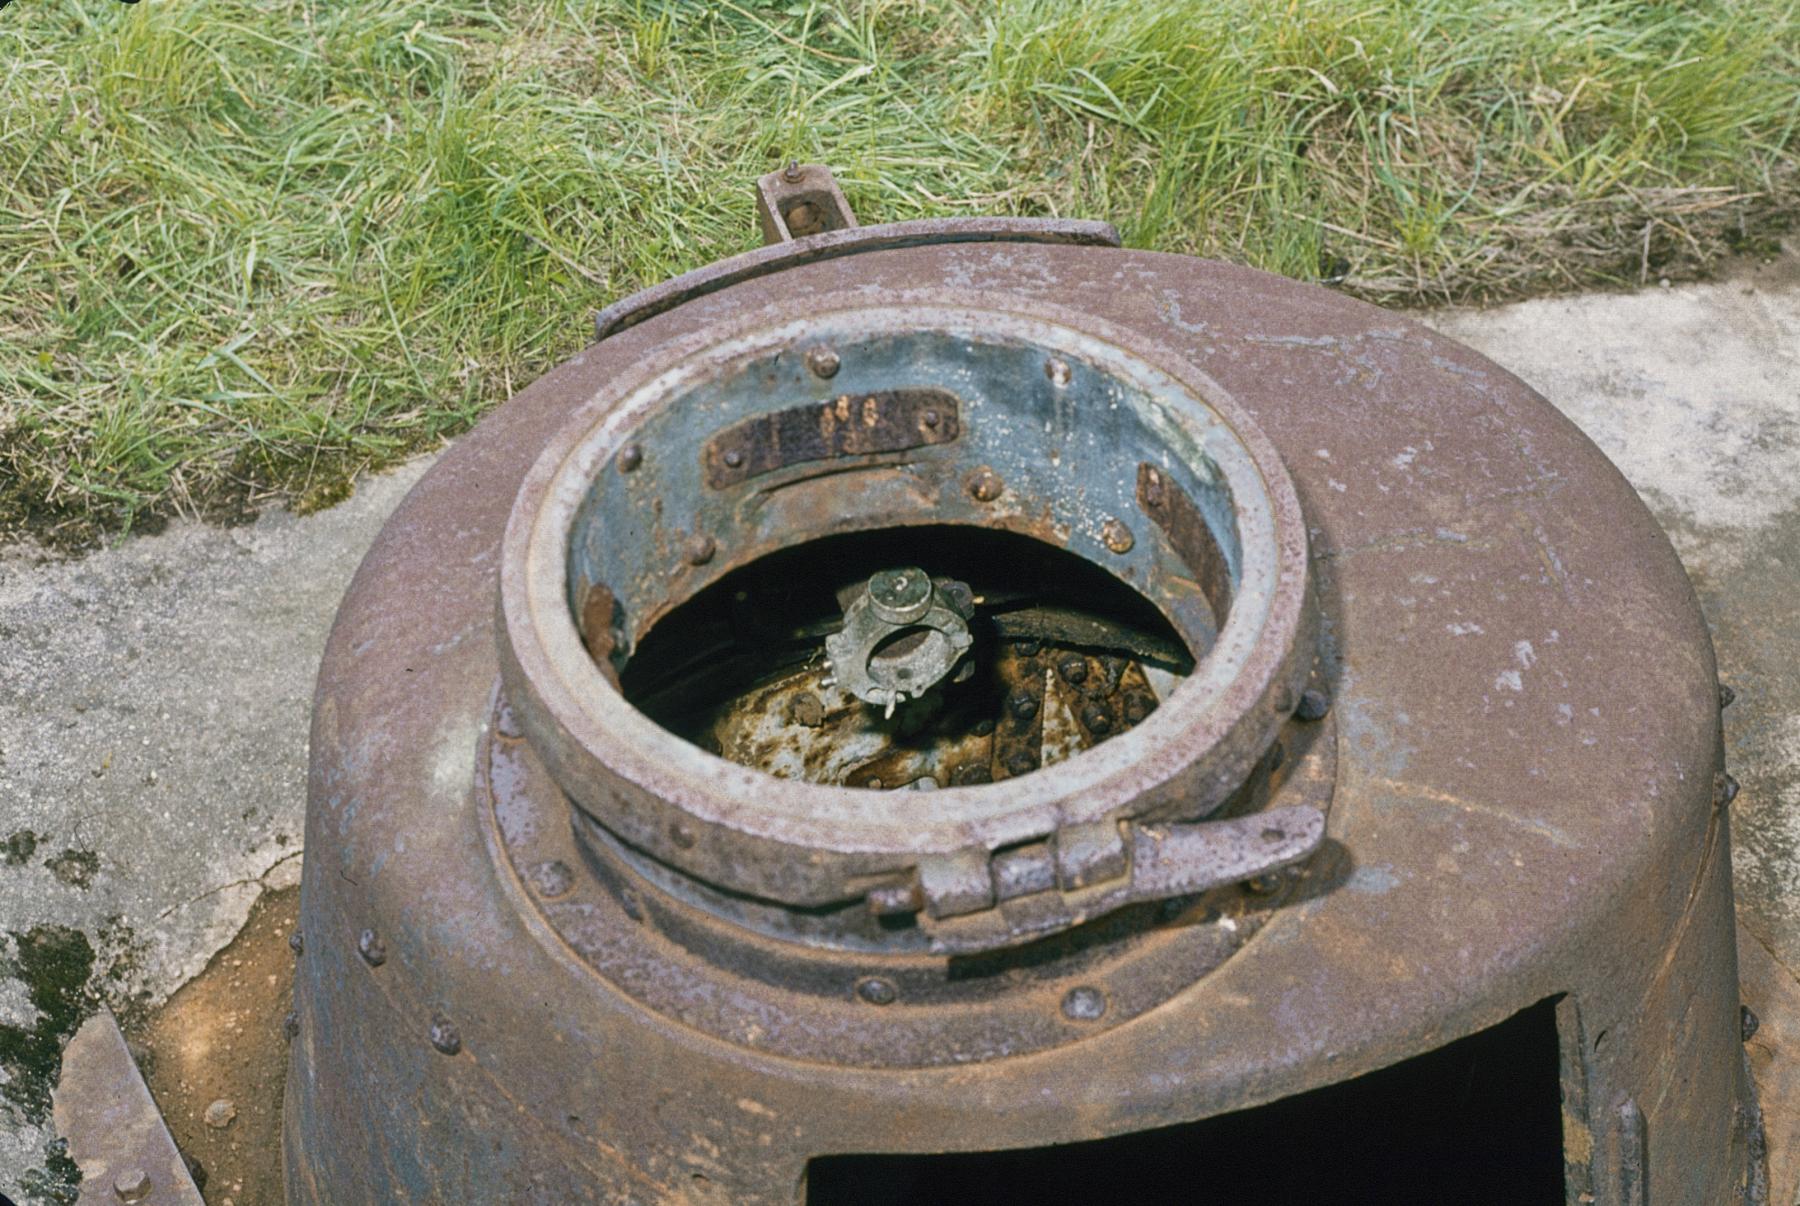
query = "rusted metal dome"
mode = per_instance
[{"x": 959, "y": 706}]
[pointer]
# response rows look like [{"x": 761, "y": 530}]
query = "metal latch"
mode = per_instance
[{"x": 972, "y": 901}]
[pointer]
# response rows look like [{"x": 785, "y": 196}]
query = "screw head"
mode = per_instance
[
  {"x": 699, "y": 549},
  {"x": 132, "y": 1185},
  {"x": 1084, "y": 1003},
  {"x": 1118, "y": 537},
  {"x": 822, "y": 362},
  {"x": 985, "y": 485},
  {"x": 877, "y": 991},
  {"x": 370, "y": 946},
  {"x": 552, "y": 878},
  {"x": 1314, "y": 703},
  {"x": 444, "y": 1035},
  {"x": 630, "y": 457}
]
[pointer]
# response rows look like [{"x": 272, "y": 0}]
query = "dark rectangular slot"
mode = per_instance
[{"x": 1476, "y": 1121}]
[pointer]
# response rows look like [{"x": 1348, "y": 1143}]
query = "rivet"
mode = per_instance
[
  {"x": 932, "y": 418},
  {"x": 370, "y": 946},
  {"x": 297, "y": 943},
  {"x": 1084, "y": 1003},
  {"x": 877, "y": 991},
  {"x": 630, "y": 457},
  {"x": 1728, "y": 788},
  {"x": 699, "y": 549},
  {"x": 552, "y": 878},
  {"x": 1118, "y": 537},
  {"x": 1748, "y": 1023},
  {"x": 682, "y": 834},
  {"x": 985, "y": 485},
  {"x": 1057, "y": 369},
  {"x": 290, "y": 1025},
  {"x": 1314, "y": 703},
  {"x": 1153, "y": 489},
  {"x": 1073, "y": 668},
  {"x": 733, "y": 458},
  {"x": 1726, "y": 695},
  {"x": 444, "y": 1035},
  {"x": 132, "y": 1185},
  {"x": 822, "y": 362}
]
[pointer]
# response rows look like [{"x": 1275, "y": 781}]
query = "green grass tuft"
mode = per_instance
[{"x": 247, "y": 249}]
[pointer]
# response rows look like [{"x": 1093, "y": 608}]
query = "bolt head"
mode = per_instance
[
  {"x": 822, "y": 362},
  {"x": 132, "y": 1185},
  {"x": 1118, "y": 537},
  {"x": 1074, "y": 669},
  {"x": 1314, "y": 703},
  {"x": 1022, "y": 704},
  {"x": 699, "y": 549},
  {"x": 552, "y": 878},
  {"x": 1097, "y": 718},
  {"x": 1138, "y": 707},
  {"x": 900, "y": 596},
  {"x": 372, "y": 949},
  {"x": 985, "y": 485},
  {"x": 875, "y": 990},
  {"x": 793, "y": 172},
  {"x": 444, "y": 1035},
  {"x": 1084, "y": 1003}
]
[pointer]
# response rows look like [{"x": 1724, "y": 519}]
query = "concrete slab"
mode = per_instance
[
  {"x": 154, "y": 696},
  {"x": 153, "y": 724}
]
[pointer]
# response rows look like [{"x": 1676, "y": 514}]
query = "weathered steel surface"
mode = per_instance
[
  {"x": 115, "y": 1132},
  {"x": 887, "y": 421},
  {"x": 1526, "y": 750},
  {"x": 838, "y": 244}
]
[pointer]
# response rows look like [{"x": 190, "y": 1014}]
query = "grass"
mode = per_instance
[{"x": 248, "y": 248}]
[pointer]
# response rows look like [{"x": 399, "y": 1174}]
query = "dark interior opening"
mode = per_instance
[
  {"x": 767, "y": 621},
  {"x": 1476, "y": 1121}
]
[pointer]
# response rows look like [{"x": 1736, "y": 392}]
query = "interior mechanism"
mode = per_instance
[{"x": 903, "y": 634}]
